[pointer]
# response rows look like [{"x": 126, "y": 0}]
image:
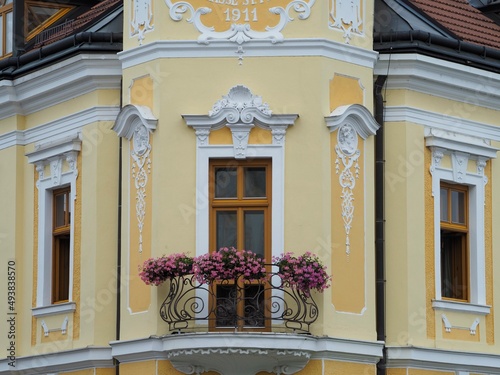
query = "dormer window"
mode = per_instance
[
  {"x": 6, "y": 27},
  {"x": 40, "y": 15}
]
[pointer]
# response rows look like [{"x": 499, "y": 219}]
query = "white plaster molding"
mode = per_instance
[
  {"x": 346, "y": 16},
  {"x": 59, "y": 129},
  {"x": 59, "y": 82},
  {"x": 135, "y": 123},
  {"x": 243, "y": 361},
  {"x": 460, "y": 151},
  {"x": 464, "y": 307},
  {"x": 45, "y": 328},
  {"x": 316, "y": 347},
  {"x": 306, "y": 47},
  {"x": 64, "y": 325},
  {"x": 446, "y": 322},
  {"x": 439, "y": 359},
  {"x": 60, "y": 308},
  {"x": 356, "y": 115},
  {"x": 467, "y": 85},
  {"x": 60, "y": 361},
  {"x": 53, "y": 153},
  {"x": 350, "y": 121},
  {"x": 240, "y": 111},
  {"x": 141, "y": 19},
  {"x": 239, "y": 32},
  {"x": 473, "y": 326}
]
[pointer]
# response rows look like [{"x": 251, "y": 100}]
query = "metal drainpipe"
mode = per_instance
[
  {"x": 380, "y": 221},
  {"x": 119, "y": 247}
]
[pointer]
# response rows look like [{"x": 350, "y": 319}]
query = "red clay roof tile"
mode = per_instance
[{"x": 462, "y": 19}]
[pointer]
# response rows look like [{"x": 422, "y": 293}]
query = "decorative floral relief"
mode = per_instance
[
  {"x": 345, "y": 15},
  {"x": 237, "y": 17},
  {"x": 347, "y": 153},
  {"x": 140, "y": 170},
  {"x": 141, "y": 18}
]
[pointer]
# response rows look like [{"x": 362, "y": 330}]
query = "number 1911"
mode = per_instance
[{"x": 235, "y": 15}]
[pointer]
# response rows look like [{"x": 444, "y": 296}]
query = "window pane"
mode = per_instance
[
  {"x": 254, "y": 306},
  {"x": 458, "y": 207},
  {"x": 226, "y": 315},
  {"x": 9, "y": 33},
  {"x": 254, "y": 232},
  {"x": 61, "y": 268},
  {"x": 60, "y": 209},
  {"x": 444, "y": 205},
  {"x": 226, "y": 229},
  {"x": 255, "y": 182},
  {"x": 453, "y": 265},
  {"x": 225, "y": 183}
]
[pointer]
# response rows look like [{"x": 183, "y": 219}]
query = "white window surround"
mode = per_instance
[
  {"x": 61, "y": 156},
  {"x": 461, "y": 148},
  {"x": 240, "y": 111}
]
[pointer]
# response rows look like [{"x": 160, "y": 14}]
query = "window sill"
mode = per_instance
[
  {"x": 461, "y": 307},
  {"x": 61, "y": 308}
]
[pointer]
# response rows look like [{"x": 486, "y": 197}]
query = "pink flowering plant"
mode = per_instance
[
  {"x": 156, "y": 270},
  {"x": 229, "y": 264},
  {"x": 305, "y": 272}
]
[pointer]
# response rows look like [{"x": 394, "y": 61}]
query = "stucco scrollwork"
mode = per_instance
[
  {"x": 348, "y": 155},
  {"x": 136, "y": 123},
  {"x": 239, "y": 31}
]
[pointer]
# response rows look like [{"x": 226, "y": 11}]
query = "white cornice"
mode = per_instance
[
  {"x": 59, "y": 362},
  {"x": 59, "y": 82},
  {"x": 256, "y": 48},
  {"x": 443, "y": 122},
  {"x": 63, "y": 127},
  {"x": 437, "y": 359},
  {"x": 316, "y": 347},
  {"x": 440, "y": 78}
]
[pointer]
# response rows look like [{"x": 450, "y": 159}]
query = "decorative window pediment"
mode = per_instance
[
  {"x": 240, "y": 111},
  {"x": 354, "y": 115},
  {"x": 460, "y": 149}
]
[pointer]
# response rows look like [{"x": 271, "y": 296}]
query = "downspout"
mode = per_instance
[
  {"x": 380, "y": 221},
  {"x": 119, "y": 247}
]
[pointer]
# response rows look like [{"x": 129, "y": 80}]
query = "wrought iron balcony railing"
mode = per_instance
[{"x": 237, "y": 305}]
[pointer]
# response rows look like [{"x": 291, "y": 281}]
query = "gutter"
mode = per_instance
[
  {"x": 417, "y": 41},
  {"x": 12, "y": 67},
  {"x": 380, "y": 222}
]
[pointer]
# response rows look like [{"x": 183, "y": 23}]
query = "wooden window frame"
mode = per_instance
[
  {"x": 60, "y": 282},
  {"x": 458, "y": 233},
  {"x": 240, "y": 204},
  {"x": 4, "y": 9}
]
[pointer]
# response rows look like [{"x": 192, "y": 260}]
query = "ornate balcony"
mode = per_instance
[{"x": 237, "y": 305}]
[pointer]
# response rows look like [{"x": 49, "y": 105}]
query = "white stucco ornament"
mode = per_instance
[
  {"x": 239, "y": 20},
  {"x": 346, "y": 16},
  {"x": 141, "y": 18}
]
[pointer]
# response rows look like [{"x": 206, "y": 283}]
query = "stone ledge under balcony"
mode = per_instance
[{"x": 244, "y": 353}]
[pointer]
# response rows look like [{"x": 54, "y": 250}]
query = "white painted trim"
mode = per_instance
[
  {"x": 307, "y": 47},
  {"x": 438, "y": 359},
  {"x": 59, "y": 361},
  {"x": 442, "y": 122},
  {"x": 471, "y": 87},
  {"x": 453, "y": 145},
  {"x": 461, "y": 307},
  {"x": 60, "y": 128},
  {"x": 53, "y": 154},
  {"x": 59, "y": 82},
  {"x": 318, "y": 347},
  {"x": 60, "y": 308}
]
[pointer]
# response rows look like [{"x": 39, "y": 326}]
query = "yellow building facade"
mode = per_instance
[{"x": 143, "y": 129}]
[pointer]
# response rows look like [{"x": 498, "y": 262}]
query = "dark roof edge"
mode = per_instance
[
  {"x": 454, "y": 50},
  {"x": 12, "y": 67}
]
